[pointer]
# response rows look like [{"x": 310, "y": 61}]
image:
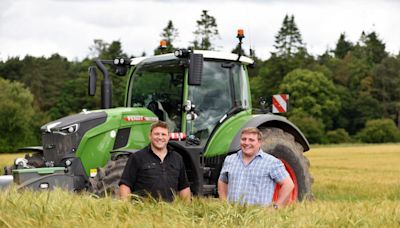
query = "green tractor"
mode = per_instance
[{"x": 204, "y": 96}]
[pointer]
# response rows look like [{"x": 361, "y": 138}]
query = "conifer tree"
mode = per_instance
[
  {"x": 207, "y": 30},
  {"x": 288, "y": 41},
  {"x": 169, "y": 34},
  {"x": 375, "y": 48},
  {"x": 342, "y": 47}
]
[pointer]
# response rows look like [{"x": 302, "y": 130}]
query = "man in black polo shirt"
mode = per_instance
[{"x": 156, "y": 169}]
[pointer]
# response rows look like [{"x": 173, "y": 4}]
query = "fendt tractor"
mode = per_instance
[{"x": 204, "y": 96}]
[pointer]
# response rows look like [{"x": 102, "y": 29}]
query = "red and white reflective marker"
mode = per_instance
[
  {"x": 280, "y": 103},
  {"x": 177, "y": 136}
]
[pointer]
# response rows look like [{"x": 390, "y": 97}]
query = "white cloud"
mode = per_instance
[{"x": 66, "y": 27}]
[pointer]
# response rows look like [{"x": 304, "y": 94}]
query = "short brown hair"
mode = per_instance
[
  {"x": 159, "y": 124},
  {"x": 252, "y": 130}
]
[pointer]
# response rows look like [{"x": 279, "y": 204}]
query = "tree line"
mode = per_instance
[{"x": 349, "y": 93}]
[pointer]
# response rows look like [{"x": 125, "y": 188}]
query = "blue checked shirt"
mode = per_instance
[{"x": 255, "y": 182}]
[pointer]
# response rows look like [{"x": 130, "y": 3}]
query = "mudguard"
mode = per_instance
[
  {"x": 271, "y": 120},
  {"x": 32, "y": 148},
  {"x": 222, "y": 136}
]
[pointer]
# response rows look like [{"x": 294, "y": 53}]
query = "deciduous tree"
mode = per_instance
[
  {"x": 311, "y": 94},
  {"x": 16, "y": 116}
]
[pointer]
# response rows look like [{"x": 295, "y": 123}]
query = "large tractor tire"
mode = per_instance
[
  {"x": 105, "y": 183},
  {"x": 282, "y": 145}
]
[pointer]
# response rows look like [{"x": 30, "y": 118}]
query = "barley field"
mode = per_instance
[
  {"x": 8, "y": 159},
  {"x": 354, "y": 186}
]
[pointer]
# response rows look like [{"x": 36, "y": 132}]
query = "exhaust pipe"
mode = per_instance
[{"x": 5, "y": 181}]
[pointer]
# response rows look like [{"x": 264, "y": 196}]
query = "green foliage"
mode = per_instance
[
  {"x": 311, "y": 127},
  {"x": 342, "y": 47},
  {"x": 354, "y": 84},
  {"x": 207, "y": 30},
  {"x": 16, "y": 116},
  {"x": 386, "y": 86},
  {"x": 311, "y": 94},
  {"x": 337, "y": 136},
  {"x": 74, "y": 98},
  {"x": 12, "y": 69},
  {"x": 73, "y": 94},
  {"x": 272, "y": 71},
  {"x": 342, "y": 118},
  {"x": 44, "y": 77},
  {"x": 370, "y": 48},
  {"x": 375, "y": 48},
  {"x": 364, "y": 108},
  {"x": 379, "y": 131}
]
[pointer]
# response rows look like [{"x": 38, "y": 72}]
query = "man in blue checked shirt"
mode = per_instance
[{"x": 250, "y": 175}]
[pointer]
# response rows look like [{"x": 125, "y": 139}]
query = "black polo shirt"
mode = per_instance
[{"x": 145, "y": 174}]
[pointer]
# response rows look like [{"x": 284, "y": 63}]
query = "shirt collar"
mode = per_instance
[
  {"x": 260, "y": 153},
  {"x": 152, "y": 152}
]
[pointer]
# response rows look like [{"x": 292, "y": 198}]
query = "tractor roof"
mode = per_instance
[{"x": 206, "y": 54}]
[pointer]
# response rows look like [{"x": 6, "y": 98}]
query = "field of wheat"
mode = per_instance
[{"x": 354, "y": 185}]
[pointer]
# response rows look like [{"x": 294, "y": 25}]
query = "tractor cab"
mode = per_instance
[{"x": 193, "y": 93}]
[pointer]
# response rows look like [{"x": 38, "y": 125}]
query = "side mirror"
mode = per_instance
[
  {"x": 92, "y": 81},
  {"x": 195, "y": 68}
]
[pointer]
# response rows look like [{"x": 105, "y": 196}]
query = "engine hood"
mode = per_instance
[{"x": 71, "y": 123}]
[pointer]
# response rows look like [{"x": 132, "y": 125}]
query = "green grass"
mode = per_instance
[{"x": 354, "y": 186}]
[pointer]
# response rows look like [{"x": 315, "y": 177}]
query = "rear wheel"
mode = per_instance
[
  {"x": 282, "y": 145},
  {"x": 105, "y": 183}
]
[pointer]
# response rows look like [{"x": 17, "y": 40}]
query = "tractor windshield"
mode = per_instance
[
  {"x": 223, "y": 90},
  {"x": 158, "y": 87}
]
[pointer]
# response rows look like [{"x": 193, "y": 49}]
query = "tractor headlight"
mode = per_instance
[
  {"x": 181, "y": 53},
  {"x": 120, "y": 61},
  {"x": 44, "y": 185},
  {"x": 68, "y": 129}
]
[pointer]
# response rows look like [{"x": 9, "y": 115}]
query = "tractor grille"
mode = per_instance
[
  {"x": 56, "y": 146},
  {"x": 214, "y": 161}
]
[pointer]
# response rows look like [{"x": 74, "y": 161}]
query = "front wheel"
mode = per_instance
[
  {"x": 282, "y": 145},
  {"x": 105, "y": 183}
]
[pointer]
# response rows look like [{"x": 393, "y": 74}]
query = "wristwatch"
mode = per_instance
[{"x": 275, "y": 206}]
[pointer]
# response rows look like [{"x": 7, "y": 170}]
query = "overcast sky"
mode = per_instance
[{"x": 68, "y": 27}]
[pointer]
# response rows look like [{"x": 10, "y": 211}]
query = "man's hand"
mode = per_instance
[
  {"x": 124, "y": 192},
  {"x": 185, "y": 194}
]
